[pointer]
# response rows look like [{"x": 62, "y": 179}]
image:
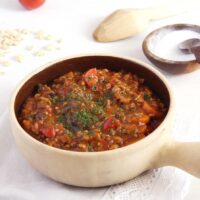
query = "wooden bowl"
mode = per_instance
[
  {"x": 171, "y": 66},
  {"x": 95, "y": 169}
]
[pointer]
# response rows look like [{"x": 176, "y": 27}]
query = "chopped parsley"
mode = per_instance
[
  {"x": 85, "y": 118},
  {"x": 55, "y": 100},
  {"x": 100, "y": 102},
  {"x": 108, "y": 94},
  {"x": 88, "y": 97},
  {"x": 62, "y": 120},
  {"x": 73, "y": 97},
  {"x": 68, "y": 132},
  {"x": 147, "y": 97},
  {"x": 97, "y": 110},
  {"x": 69, "y": 97},
  {"x": 90, "y": 147},
  {"x": 93, "y": 88},
  {"x": 87, "y": 132}
]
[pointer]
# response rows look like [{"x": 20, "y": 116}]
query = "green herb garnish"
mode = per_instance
[
  {"x": 68, "y": 132},
  {"x": 62, "y": 120},
  {"x": 65, "y": 120},
  {"x": 97, "y": 110},
  {"x": 73, "y": 97},
  {"x": 108, "y": 94},
  {"x": 100, "y": 102},
  {"x": 90, "y": 147},
  {"x": 147, "y": 97},
  {"x": 86, "y": 132},
  {"x": 85, "y": 118},
  {"x": 103, "y": 101},
  {"x": 88, "y": 97},
  {"x": 93, "y": 88},
  {"x": 55, "y": 100}
]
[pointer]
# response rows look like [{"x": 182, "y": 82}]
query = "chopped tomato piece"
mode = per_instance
[
  {"x": 90, "y": 77},
  {"x": 107, "y": 123},
  {"x": 149, "y": 109},
  {"x": 91, "y": 72},
  {"x": 111, "y": 123},
  {"x": 112, "y": 82},
  {"x": 143, "y": 118},
  {"x": 63, "y": 91},
  {"x": 48, "y": 131}
]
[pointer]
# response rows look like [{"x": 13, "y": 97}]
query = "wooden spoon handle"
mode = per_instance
[
  {"x": 128, "y": 22},
  {"x": 184, "y": 155},
  {"x": 170, "y": 9}
]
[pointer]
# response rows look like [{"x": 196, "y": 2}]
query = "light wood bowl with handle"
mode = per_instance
[{"x": 95, "y": 169}]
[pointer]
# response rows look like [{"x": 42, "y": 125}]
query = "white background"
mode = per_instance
[{"x": 75, "y": 21}]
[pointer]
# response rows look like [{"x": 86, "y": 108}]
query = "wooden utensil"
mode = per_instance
[
  {"x": 128, "y": 22},
  {"x": 191, "y": 46}
]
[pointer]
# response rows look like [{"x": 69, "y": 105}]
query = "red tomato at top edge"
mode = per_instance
[
  {"x": 31, "y": 4},
  {"x": 91, "y": 78},
  {"x": 91, "y": 72}
]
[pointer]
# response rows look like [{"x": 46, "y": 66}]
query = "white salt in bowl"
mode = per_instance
[{"x": 161, "y": 47}]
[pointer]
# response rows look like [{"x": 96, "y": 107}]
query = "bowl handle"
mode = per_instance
[{"x": 184, "y": 155}]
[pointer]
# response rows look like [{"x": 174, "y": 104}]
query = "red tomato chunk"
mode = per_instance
[{"x": 48, "y": 131}]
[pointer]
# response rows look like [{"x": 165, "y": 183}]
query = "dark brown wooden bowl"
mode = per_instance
[{"x": 171, "y": 66}]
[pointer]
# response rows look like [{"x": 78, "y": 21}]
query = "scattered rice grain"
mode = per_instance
[
  {"x": 30, "y": 48},
  {"x": 12, "y": 38},
  {"x": 4, "y": 63},
  {"x": 2, "y": 73},
  {"x": 49, "y": 47},
  {"x": 19, "y": 58},
  {"x": 39, "y": 53},
  {"x": 58, "y": 48},
  {"x": 48, "y": 37},
  {"x": 59, "y": 41}
]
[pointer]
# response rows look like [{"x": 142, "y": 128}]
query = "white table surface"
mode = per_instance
[{"x": 75, "y": 21}]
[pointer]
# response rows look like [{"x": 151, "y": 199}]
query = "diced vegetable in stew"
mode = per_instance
[{"x": 97, "y": 110}]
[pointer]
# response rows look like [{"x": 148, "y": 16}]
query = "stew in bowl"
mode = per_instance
[{"x": 95, "y": 110}]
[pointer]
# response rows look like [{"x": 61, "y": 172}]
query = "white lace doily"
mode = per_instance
[{"x": 164, "y": 183}]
